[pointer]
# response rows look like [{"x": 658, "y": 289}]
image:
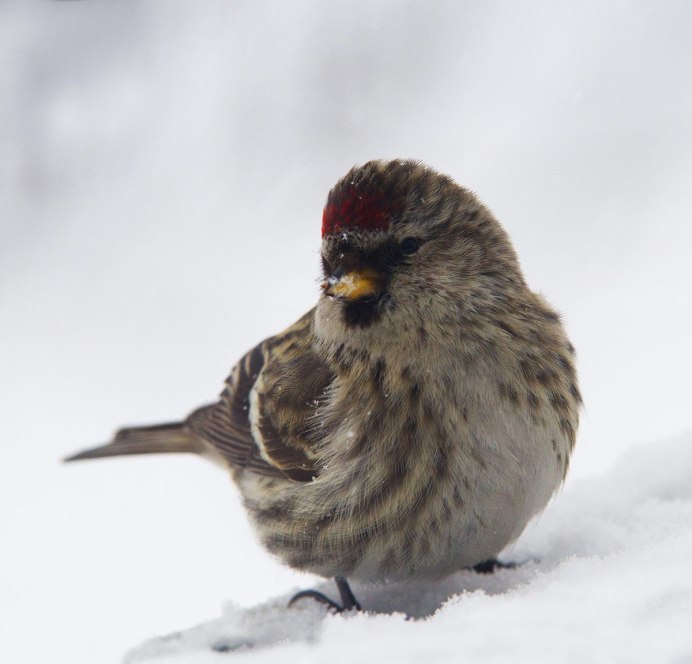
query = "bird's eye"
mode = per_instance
[{"x": 410, "y": 245}]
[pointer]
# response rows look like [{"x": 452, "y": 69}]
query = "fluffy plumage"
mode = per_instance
[{"x": 414, "y": 421}]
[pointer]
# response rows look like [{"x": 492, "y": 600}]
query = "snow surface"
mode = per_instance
[
  {"x": 605, "y": 577},
  {"x": 163, "y": 167}
]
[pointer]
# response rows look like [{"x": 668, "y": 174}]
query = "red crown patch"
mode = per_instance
[{"x": 354, "y": 208}]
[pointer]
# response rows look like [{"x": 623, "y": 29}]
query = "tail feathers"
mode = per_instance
[{"x": 162, "y": 438}]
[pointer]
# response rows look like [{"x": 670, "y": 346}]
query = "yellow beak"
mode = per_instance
[{"x": 357, "y": 284}]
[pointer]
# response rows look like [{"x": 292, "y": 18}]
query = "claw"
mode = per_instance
[
  {"x": 348, "y": 600},
  {"x": 320, "y": 597},
  {"x": 492, "y": 565}
]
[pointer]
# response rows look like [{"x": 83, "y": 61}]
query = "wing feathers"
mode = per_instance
[
  {"x": 285, "y": 381},
  {"x": 260, "y": 422}
]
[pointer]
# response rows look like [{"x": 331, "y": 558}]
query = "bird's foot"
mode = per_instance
[
  {"x": 320, "y": 597},
  {"x": 492, "y": 565},
  {"x": 348, "y": 600}
]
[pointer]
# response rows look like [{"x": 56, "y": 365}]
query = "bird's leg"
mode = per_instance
[
  {"x": 492, "y": 565},
  {"x": 348, "y": 601}
]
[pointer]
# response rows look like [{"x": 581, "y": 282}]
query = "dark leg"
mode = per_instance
[
  {"x": 492, "y": 565},
  {"x": 348, "y": 601}
]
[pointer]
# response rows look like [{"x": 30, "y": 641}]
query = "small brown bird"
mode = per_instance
[{"x": 413, "y": 422}]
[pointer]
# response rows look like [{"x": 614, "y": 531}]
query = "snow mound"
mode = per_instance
[{"x": 605, "y": 577}]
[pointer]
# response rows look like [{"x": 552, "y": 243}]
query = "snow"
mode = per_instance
[
  {"x": 604, "y": 577},
  {"x": 163, "y": 167}
]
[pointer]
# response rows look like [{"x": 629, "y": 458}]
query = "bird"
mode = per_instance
[{"x": 415, "y": 420}]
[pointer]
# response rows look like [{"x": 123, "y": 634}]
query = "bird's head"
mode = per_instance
[{"x": 405, "y": 248}]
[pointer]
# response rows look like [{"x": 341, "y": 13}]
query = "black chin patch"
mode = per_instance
[{"x": 362, "y": 313}]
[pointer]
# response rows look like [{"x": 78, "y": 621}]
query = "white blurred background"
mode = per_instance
[{"x": 163, "y": 166}]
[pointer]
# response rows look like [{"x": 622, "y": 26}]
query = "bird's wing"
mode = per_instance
[{"x": 263, "y": 420}]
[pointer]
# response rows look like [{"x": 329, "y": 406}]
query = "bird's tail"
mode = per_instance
[{"x": 161, "y": 438}]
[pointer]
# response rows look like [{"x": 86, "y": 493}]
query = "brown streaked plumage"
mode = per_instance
[{"x": 414, "y": 421}]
